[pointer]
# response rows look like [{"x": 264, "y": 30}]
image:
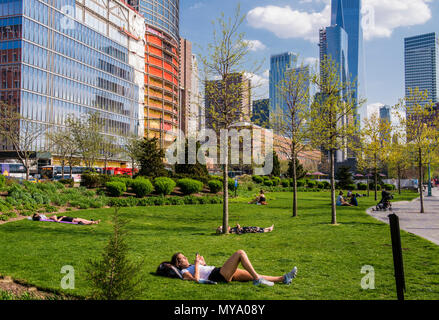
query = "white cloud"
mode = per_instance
[
  {"x": 286, "y": 22},
  {"x": 259, "y": 84},
  {"x": 380, "y": 18},
  {"x": 255, "y": 45}
]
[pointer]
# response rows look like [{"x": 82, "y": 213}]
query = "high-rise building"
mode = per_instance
[
  {"x": 385, "y": 114},
  {"x": 421, "y": 57},
  {"x": 279, "y": 64},
  {"x": 67, "y": 57},
  {"x": 347, "y": 15},
  {"x": 240, "y": 100},
  {"x": 261, "y": 113},
  {"x": 162, "y": 67}
]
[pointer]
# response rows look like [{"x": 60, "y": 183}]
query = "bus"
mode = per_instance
[
  {"x": 14, "y": 170},
  {"x": 55, "y": 172},
  {"x": 119, "y": 171}
]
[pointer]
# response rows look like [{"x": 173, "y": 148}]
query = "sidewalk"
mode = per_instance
[{"x": 425, "y": 225}]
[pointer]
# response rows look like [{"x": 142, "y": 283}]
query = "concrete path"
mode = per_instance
[{"x": 425, "y": 225}]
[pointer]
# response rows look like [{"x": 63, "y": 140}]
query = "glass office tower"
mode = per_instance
[
  {"x": 279, "y": 64},
  {"x": 347, "y": 15},
  {"x": 162, "y": 67},
  {"x": 421, "y": 58},
  {"x": 67, "y": 57}
]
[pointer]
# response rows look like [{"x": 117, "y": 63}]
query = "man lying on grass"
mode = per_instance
[
  {"x": 228, "y": 272},
  {"x": 37, "y": 217},
  {"x": 240, "y": 230}
]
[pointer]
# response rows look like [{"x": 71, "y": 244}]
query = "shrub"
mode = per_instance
[
  {"x": 351, "y": 186},
  {"x": 361, "y": 186},
  {"x": 372, "y": 186},
  {"x": 127, "y": 181},
  {"x": 389, "y": 186},
  {"x": 94, "y": 180},
  {"x": 250, "y": 186},
  {"x": 190, "y": 186},
  {"x": 326, "y": 185},
  {"x": 258, "y": 179},
  {"x": 320, "y": 185},
  {"x": 165, "y": 186},
  {"x": 311, "y": 184},
  {"x": 116, "y": 189},
  {"x": 231, "y": 185},
  {"x": 215, "y": 186},
  {"x": 276, "y": 181},
  {"x": 67, "y": 182},
  {"x": 2, "y": 181},
  {"x": 268, "y": 183},
  {"x": 285, "y": 183},
  {"x": 141, "y": 187},
  {"x": 300, "y": 183}
]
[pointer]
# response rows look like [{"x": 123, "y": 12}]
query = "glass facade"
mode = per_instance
[
  {"x": 61, "y": 65},
  {"x": 421, "y": 56},
  {"x": 279, "y": 64},
  {"x": 162, "y": 14}
]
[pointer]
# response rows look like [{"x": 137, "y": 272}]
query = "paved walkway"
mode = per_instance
[{"x": 425, "y": 225}]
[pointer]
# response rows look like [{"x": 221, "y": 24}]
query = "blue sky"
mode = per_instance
[{"x": 281, "y": 25}]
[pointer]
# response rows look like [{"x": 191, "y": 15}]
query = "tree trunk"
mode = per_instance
[
  {"x": 294, "y": 183},
  {"x": 333, "y": 204},
  {"x": 27, "y": 172},
  {"x": 368, "y": 187},
  {"x": 376, "y": 184},
  {"x": 420, "y": 184},
  {"x": 71, "y": 171},
  {"x": 399, "y": 180},
  {"x": 132, "y": 168},
  {"x": 62, "y": 168},
  {"x": 226, "y": 197}
]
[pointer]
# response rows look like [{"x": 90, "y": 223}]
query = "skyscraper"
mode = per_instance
[
  {"x": 279, "y": 64},
  {"x": 421, "y": 57},
  {"x": 52, "y": 65},
  {"x": 162, "y": 67},
  {"x": 347, "y": 15},
  {"x": 261, "y": 113}
]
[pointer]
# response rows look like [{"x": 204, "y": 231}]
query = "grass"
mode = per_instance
[{"x": 329, "y": 258}]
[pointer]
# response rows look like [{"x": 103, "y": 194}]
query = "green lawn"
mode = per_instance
[{"x": 329, "y": 258}]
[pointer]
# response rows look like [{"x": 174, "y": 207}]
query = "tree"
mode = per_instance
[
  {"x": 115, "y": 276},
  {"x": 151, "y": 158},
  {"x": 290, "y": 121},
  {"x": 20, "y": 134},
  {"x": 224, "y": 62},
  {"x": 86, "y": 133},
  {"x": 109, "y": 150},
  {"x": 332, "y": 112},
  {"x": 300, "y": 172},
  {"x": 195, "y": 170},
  {"x": 419, "y": 123},
  {"x": 64, "y": 145},
  {"x": 375, "y": 141},
  {"x": 132, "y": 149},
  {"x": 276, "y": 165},
  {"x": 398, "y": 158},
  {"x": 344, "y": 177}
]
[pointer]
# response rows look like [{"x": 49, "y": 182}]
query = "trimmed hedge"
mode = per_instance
[
  {"x": 362, "y": 186},
  {"x": 141, "y": 187},
  {"x": 164, "y": 185},
  {"x": 285, "y": 183},
  {"x": 276, "y": 181},
  {"x": 300, "y": 183},
  {"x": 258, "y": 179},
  {"x": 189, "y": 186},
  {"x": 311, "y": 183},
  {"x": 115, "y": 188},
  {"x": 215, "y": 186},
  {"x": 268, "y": 183}
]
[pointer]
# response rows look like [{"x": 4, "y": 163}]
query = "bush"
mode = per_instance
[
  {"x": 165, "y": 186},
  {"x": 268, "y": 183},
  {"x": 67, "y": 182},
  {"x": 276, "y": 181},
  {"x": 189, "y": 186},
  {"x": 361, "y": 186},
  {"x": 258, "y": 179},
  {"x": 311, "y": 184},
  {"x": 320, "y": 185},
  {"x": 215, "y": 186},
  {"x": 285, "y": 183},
  {"x": 372, "y": 186},
  {"x": 141, "y": 187},
  {"x": 389, "y": 186},
  {"x": 116, "y": 189},
  {"x": 232, "y": 185},
  {"x": 300, "y": 183},
  {"x": 326, "y": 185},
  {"x": 94, "y": 180},
  {"x": 351, "y": 186},
  {"x": 2, "y": 181}
]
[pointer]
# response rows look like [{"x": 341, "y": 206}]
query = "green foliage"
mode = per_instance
[
  {"x": 276, "y": 181},
  {"x": 115, "y": 276},
  {"x": 300, "y": 172},
  {"x": 300, "y": 183},
  {"x": 351, "y": 186},
  {"x": 94, "y": 180},
  {"x": 311, "y": 183},
  {"x": 2, "y": 181},
  {"x": 215, "y": 186},
  {"x": 372, "y": 186},
  {"x": 141, "y": 187},
  {"x": 361, "y": 186},
  {"x": 116, "y": 189},
  {"x": 164, "y": 185},
  {"x": 258, "y": 179},
  {"x": 189, "y": 186},
  {"x": 231, "y": 185},
  {"x": 389, "y": 186},
  {"x": 276, "y": 165},
  {"x": 151, "y": 158},
  {"x": 68, "y": 182},
  {"x": 192, "y": 170},
  {"x": 285, "y": 183},
  {"x": 268, "y": 183},
  {"x": 344, "y": 177}
]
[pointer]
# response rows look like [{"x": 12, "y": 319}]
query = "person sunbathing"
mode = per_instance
[
  {"x": 229, "y": 271},
  {"x": 37, "y": 217},
  {"x": 260, "y": 200},
  {"x": 240, "y": 230}
]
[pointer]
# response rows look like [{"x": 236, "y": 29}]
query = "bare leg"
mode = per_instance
[
  {"x": 244, "y": 276},
  {"x": 269, "y": 229},
  {"x": 84, "y": 221},
  {"x": 231, "y": 265}
]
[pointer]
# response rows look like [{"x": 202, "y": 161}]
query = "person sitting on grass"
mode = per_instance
[
  {"x": 240, "y": 230},
  {"x": 260, "y": 200},
  {"x": 354, "y": 200},
  {"x": 229, "y": 271},
  {"x": 37, "y": 217},
  {"x": 341, "y": 201}
]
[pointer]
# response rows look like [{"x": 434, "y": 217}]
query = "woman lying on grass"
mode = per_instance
[
  {"x": 228, "y": 272},
  {"x": 37, "y": 217},
  {"x": 240, "y": 230}
]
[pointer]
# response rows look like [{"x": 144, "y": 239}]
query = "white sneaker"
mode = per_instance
[
  {"x": 288, "y": 277},
  {"x": 262, "y": 281}
]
